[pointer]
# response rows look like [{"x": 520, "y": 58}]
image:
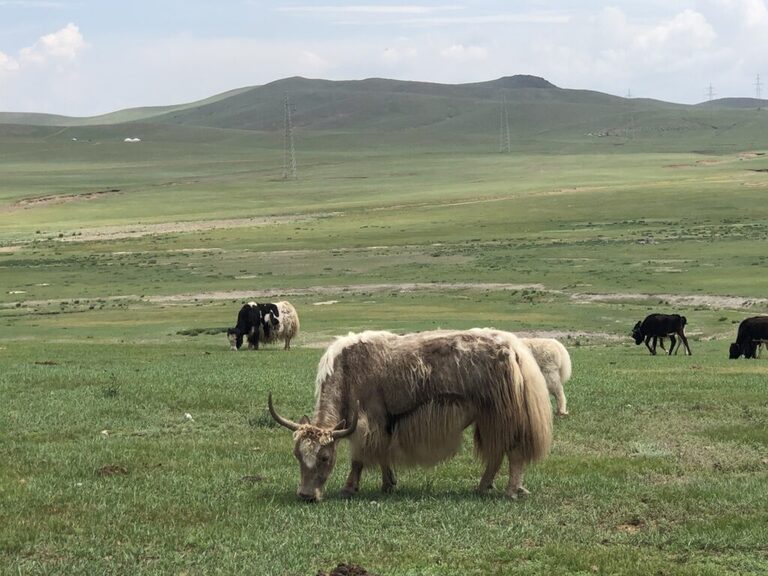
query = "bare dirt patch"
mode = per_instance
[
  {"x": 346, "y": 570},
  {"x": 28, "y": 203},
  {"x": 403, "y": 288},
  {"x": 140, "y": 230},
  {"x": 112, "y": 470},
  {"x": 631, "y": 527},
  {"x": 688, "y": 300},
  {"x": 685, "y": 300}
]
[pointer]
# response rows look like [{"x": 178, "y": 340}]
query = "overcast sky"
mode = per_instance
[{"x": 86, "y": 57}]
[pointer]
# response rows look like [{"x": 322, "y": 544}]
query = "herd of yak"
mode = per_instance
[{"x": 407, "y": 399}]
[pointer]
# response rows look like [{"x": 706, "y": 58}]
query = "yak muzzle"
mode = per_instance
[{"x": 309, "y": 496}]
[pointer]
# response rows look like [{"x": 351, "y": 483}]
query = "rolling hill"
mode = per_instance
[{"x": 376, "y": 111}]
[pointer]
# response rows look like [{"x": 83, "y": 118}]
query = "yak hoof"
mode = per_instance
[
  {"x": 348, "y": 493},
  {"x": 563, "y": 413},
  {"x": 518, "y": 494}
]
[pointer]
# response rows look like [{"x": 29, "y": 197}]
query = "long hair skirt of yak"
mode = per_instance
[{"x": 407, "y": 400}]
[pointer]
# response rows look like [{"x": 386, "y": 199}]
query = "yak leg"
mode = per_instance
[
  {"x": 685, "y": 342},
  {"x": 253, "y": 339},
  {"x": 562, "y": 410},
  {"x": 672, "y": 346},
  {"x": 647, "y": 345},
  {"x": 388, "y": 479},
  {"x": 491, "y": 469},
  {"x": 287, "y": 344},
  {"x": 661, "y": 342},
  {"x": 515, "y": 488},
  {"x": 558, "y": 392},
  {"x": 353, "y": 480}
]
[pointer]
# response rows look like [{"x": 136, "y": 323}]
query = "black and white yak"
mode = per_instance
[
  {"x": 280, "y": 322},
  {"x": 658, "y": 326},
  {"x": 264, "y": 322},
  {"x": 407, "y": 400},
  {"x": 752, "y": 332}
]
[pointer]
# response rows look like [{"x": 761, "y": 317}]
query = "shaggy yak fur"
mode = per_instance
[
  {"x": 266, "y": 323},
  {"x": 407, "y": 399},
  {"x": 555, "y": 364},
  {"x": 752, "y": 333},
  {"x": 281, "y": 322}
]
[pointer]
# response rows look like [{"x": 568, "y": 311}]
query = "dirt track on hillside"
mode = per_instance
[
  {"x": 140, "y": 230},
  {"x": 682, "y": 300},
  {"x": 687, "y": 300}
]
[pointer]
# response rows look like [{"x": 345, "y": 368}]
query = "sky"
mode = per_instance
[{"x": 88, "y": 57}]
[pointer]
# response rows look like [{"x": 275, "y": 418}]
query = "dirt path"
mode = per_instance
[
  {"x": 684, "y": 300},
  {"x": 406, "y": 287},
  {"x": 140, "y": 230},
  {"x": 324, "y": 292},
  {"x": 687, "y": 300}
]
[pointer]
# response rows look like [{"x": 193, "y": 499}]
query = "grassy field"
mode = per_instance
[
  {"x": 122, "y": 264},
  {"x": 659, "y": 469}
]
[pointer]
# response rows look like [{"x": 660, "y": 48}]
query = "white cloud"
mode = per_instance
[
  {"x": 368, "y": 9},
  {"x": 63, "y": 45},
  {"x": 462, "y": 53},
  {"x": 420, "y": 15},
  {"x": 311, "y": 62},
  {"x": 8, "y": 64},
  {"x": 687, "y": 30},
  {"x": 751, "y": 13},
  {"x": 400, "y": 52},
  {"x": 31, "y": 3}
]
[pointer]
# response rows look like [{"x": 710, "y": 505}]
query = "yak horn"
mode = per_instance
[
  {"x": 337, "y": 434},
  {"x": 290, "y": 424}
]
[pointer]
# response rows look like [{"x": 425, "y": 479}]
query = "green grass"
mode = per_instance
[{"x": 640, "y": 478}]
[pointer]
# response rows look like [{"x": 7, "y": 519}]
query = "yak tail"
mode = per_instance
[
  {"x": 533, "y": 416},
  {"x": 520, "y": 421},
  {"x": 684, "y": 320}
]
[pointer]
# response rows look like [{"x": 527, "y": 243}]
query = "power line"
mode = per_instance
[
  {"x": 504, "y": 139},
  {"x": 289, "y": 153}
]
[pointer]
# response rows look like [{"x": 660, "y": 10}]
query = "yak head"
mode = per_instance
[
  {"x": 315, "y": 449},
  {"x": 637, "y": 333},
  {"x": 234, "y": 338},
  {"x": 734, "y": 351}
]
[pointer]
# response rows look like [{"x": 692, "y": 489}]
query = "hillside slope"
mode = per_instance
[{"x": 376, "y": 111}]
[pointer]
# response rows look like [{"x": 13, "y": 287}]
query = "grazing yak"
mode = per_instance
[
  {"x": 280, "y": 322},
  {"x": 555, "y": 364},
  {"x": 249, "y": 318},
  {"x": 752, "y": 332},
  {"x": 658, "y": 326},
  {"x": 264, "y": 322},
  {"x": 407, "y": 399}
]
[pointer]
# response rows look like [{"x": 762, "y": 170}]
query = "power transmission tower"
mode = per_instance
[
  {"x": 758, "y": 87},
  {"x": 289, "y": 154},
  {"x": 504, "y": 140},
  {"x": 710, "y": 92}
]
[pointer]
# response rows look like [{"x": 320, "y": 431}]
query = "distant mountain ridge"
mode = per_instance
[
  {"x": 234, "y": 103},
  {"x": 540, "y": 114}
]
